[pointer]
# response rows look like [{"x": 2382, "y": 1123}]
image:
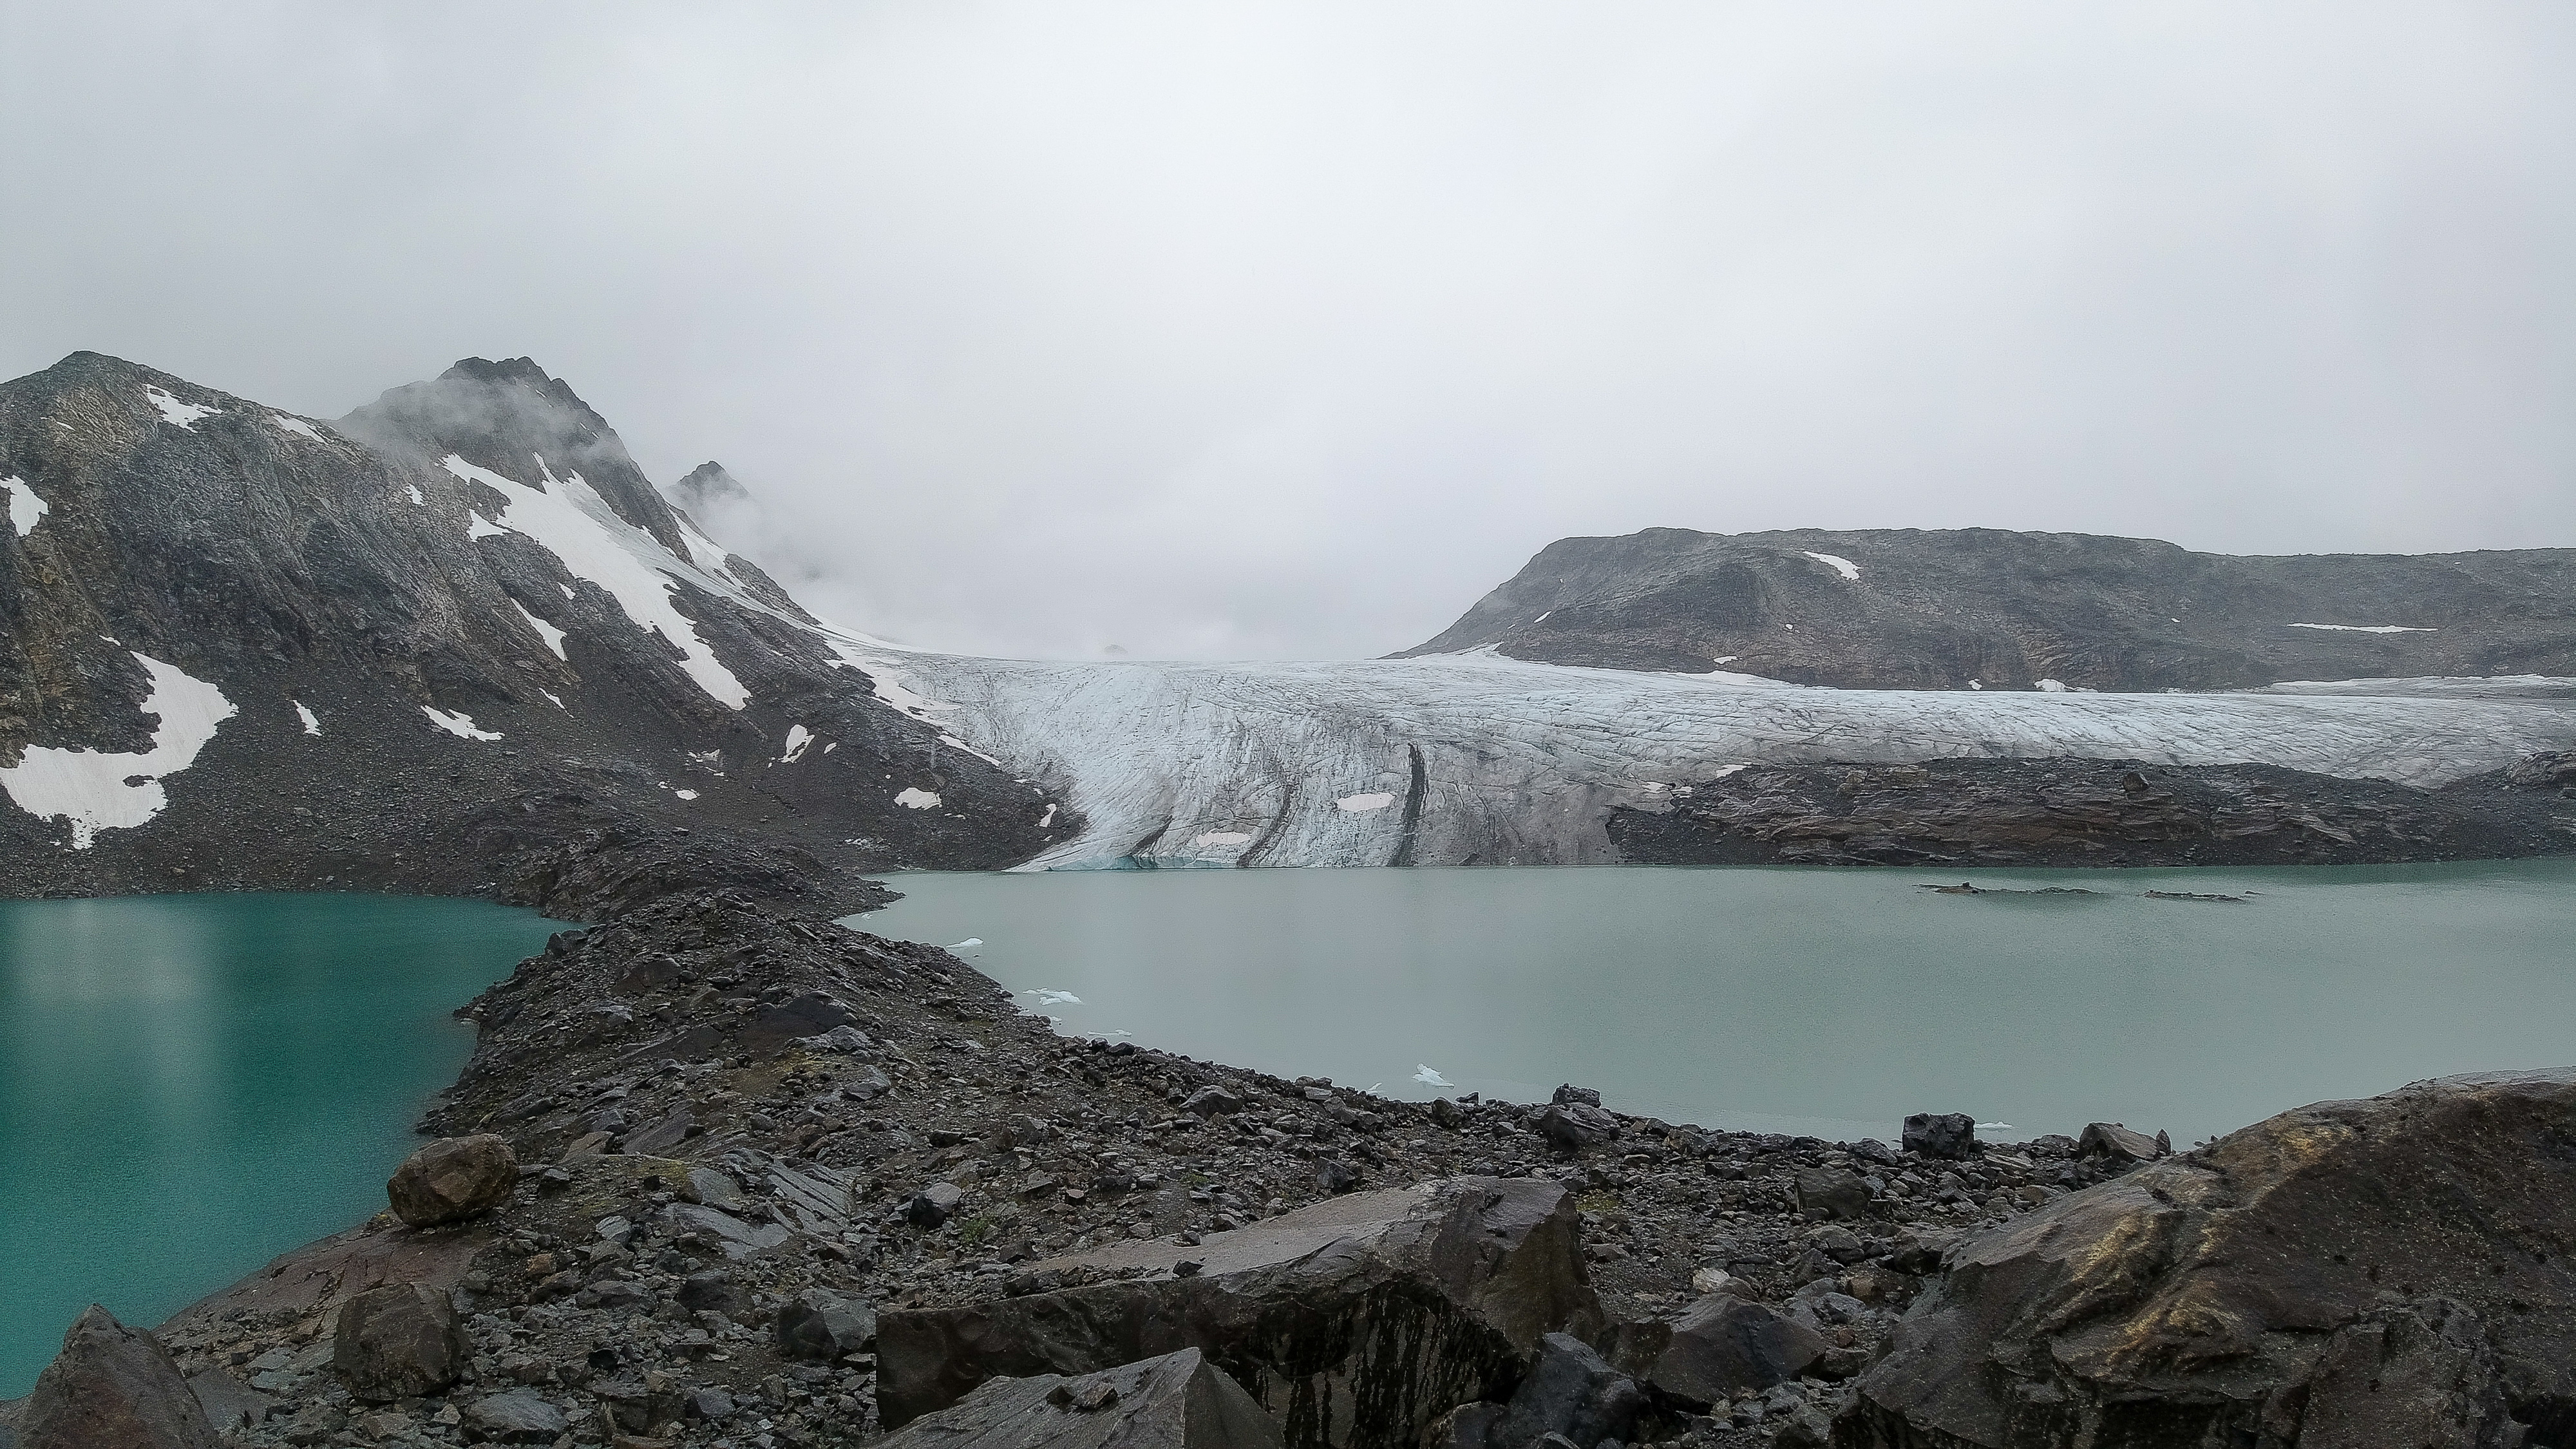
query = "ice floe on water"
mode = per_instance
[
  {"x": 459, "y": 725},
  {"x": 570, "y": 520},
  {"x": 1056, "y": 998},
  {"x": 25, "y": 508},
  {"x": 96, "y": 791},
  {"x": 1429, "y": 1078},
  {"x": 184, "y": 416}
]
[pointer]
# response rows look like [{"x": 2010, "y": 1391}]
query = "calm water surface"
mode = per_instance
[
  {"x": 190, "y": 1085},
  {"x": 1804, "y": 1000}
]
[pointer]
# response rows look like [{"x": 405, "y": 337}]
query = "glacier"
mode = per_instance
[
  {"x": 1476, "y": 758},
  {"x": 1497, "y": 761}
]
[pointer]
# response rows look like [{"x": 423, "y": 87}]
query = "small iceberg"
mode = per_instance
[
  {"x": 1997, "y": 1127},
  {"x": 962, "y": 945},
  {"x": 1429, "y": 1078},
  {"x": 1054, "y": 998}
]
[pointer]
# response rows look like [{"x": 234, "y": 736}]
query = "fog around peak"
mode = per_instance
[{"x": 1290, "y": 330}]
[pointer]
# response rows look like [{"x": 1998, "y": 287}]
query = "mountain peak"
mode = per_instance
[{"x": 708, "y": 486}]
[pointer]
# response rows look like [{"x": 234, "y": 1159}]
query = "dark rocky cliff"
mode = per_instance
[
  {"x": 1986, "y": 608},
  {"x": 455, "y": 641}
]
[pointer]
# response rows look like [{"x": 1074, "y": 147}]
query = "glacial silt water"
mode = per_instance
[
  {"x": 190, "y": 1085},
  {"x": 1816, "y": 1001}
]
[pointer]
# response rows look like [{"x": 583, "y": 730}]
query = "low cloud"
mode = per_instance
[{"x": 1289, "y": 330}]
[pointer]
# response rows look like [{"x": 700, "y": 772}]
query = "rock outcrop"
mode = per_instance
[
  {"x": 2081, "y": 812},
  {"x": 112, "y": 1387},
  {"x": 452, "y": 1179},
  {"x": 2394, "y": 1271},
  {"x": 1176, "y": 1401},
  {"x": 1356, "y": 1321},
  {"x": 1952, "y": 609}
]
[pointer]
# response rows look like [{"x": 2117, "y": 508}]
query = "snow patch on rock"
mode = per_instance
[
  {"x": 2370, "y": 628},
  {"x": 25, "y": 508},
  {"x": 312, "y": 724},
  {"x": 96, "y": 791},
  {"x": 1836, "y": 562},
  {"x": 1361, "y": 804},
  {"x": 798, "y": 737},
  {"x": 553, "y": 636},
  {"x": 183, "y": 416},
  {"x": 460, "y": 725},
  {"x": 286, "y": 423},
  {"x": 915, "y": 798}
]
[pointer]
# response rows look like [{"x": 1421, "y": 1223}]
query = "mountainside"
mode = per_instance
[
  {"x": 1987, "y": 609},
  {"x": 454, "y": 641}
]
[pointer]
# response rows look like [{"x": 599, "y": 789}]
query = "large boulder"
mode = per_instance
[
  {"x": 398, "y": 1342},
  {"x": 1355, "y": 1321},
  {"x": 1949, "y": 1135},
  {"x": 1572, "y": 1392},
  {"x": 1177, "y": 1401},
  {"x": 2394, "y": 1271},
  {"x": 452, "y": 1179},
  {"x": 1720, "y": 1347},
  {"x": 112, "y": 1387}
]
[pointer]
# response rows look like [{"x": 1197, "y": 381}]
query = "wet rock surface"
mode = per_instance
[
  {"x": 2391, "y": 1271},
  {"x": 2080, "y": 812}
]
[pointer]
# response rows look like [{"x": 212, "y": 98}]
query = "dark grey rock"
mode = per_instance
[
  {"x": 1212, "y": 1101},
  {"x": 821, "y": 1325},
  {"x": 1176, "y": 1401},
  {"x": 1570, "y": 1390},
  {"x": 514, "y": 1416},
  {"x": 111, "y": 1387},
  {"x": 1355, "y": 1321},
  {"x": 934, "y": 1204},
  {"x": 712, "y": 1291},
  {"x": 1568, "y": 1092},
  {"x": 398, "y": 1342},
  {"x": 1836, "y": 1195},
  {"x": 2119, "y": 1143},
  {"x": 1572, "y": 1126},
  {"x": 1719, "y": 1348},
  {"x": 1948, "y": 1135}
]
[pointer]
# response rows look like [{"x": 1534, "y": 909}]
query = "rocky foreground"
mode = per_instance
[{"x": 723, "y": 1175}]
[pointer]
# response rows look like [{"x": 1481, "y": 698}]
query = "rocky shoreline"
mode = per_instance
[{"x": 770, "y": 1182}]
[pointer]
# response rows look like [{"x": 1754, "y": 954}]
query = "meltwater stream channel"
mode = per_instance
[{"x": 1821, "y": 1001}]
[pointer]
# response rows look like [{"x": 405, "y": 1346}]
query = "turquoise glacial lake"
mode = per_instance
[
  {"x": 1821, "y": 1001},
  {"x": 191, "y": 1085}
]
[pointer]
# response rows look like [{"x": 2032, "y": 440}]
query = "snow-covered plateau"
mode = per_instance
[{"x": 1491, "y": 760}]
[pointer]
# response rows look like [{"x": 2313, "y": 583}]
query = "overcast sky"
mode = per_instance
[{"x": 1216, "y": 330}]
